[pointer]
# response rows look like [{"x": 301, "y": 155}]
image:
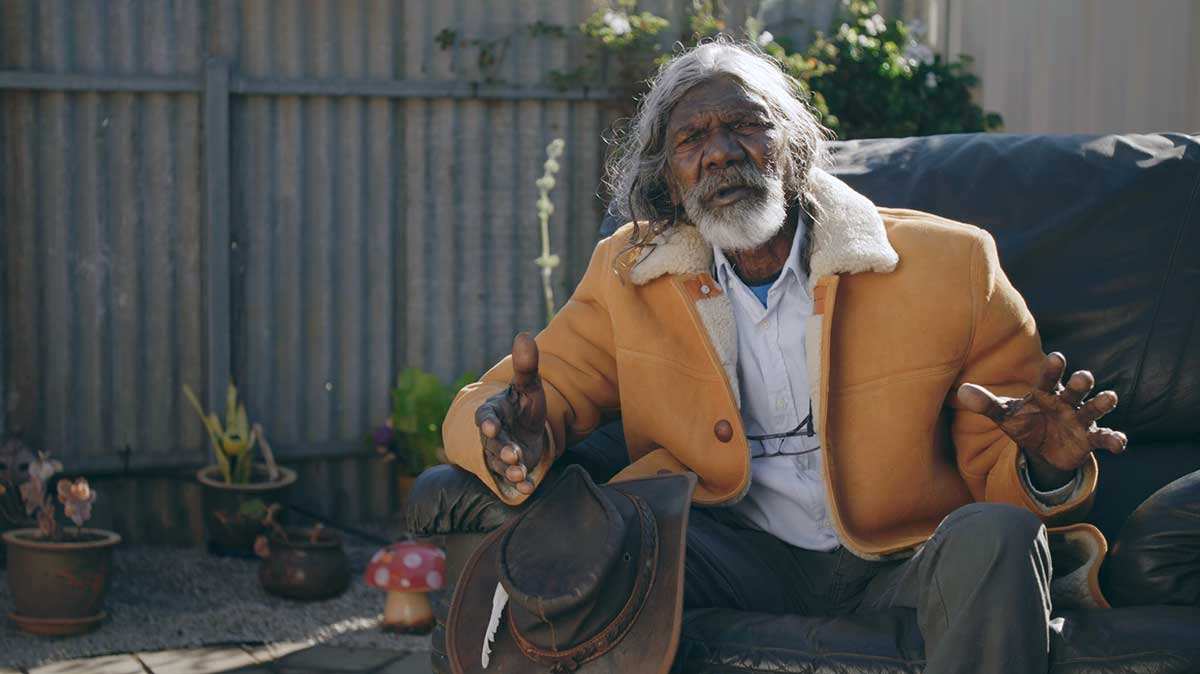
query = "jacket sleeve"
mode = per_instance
[
  {"x": 578, "y": 370},
  {"x": 1005, "y": 356}
]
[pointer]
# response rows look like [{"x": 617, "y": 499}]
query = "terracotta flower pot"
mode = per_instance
[
  {"x": 298, "y": 568},
  {"x": 58, "y": 588},
  {"x": 228, "y": 531}
]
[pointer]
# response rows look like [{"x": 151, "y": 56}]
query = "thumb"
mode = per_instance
[
  {"x": 981, "y": 401},
  {"x": 525, "y": 362}
]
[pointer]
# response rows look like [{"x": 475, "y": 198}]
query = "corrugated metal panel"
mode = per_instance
[
  {"x": 367, "y": 233},
  {"x": 102, "y": 234}
]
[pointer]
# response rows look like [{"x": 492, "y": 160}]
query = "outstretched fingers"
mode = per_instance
[
  {"x": 1102, "y": 403},
  {"x": 1078, "y": 387},
  {"x": 1052, "y": 371},
  {"x": 1107, "y": 438},
  {"x": 981, "y": 401}
]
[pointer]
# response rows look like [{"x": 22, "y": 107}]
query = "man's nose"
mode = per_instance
[{"x": 723, "y": 151}]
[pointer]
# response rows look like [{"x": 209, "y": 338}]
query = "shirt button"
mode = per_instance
[{"x": 780, "y": 404}]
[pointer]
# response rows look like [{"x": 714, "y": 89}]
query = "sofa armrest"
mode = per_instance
[{"x": 1156, "y": 558}]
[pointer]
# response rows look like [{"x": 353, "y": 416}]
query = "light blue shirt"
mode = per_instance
[{"x": 787, "y": 491}]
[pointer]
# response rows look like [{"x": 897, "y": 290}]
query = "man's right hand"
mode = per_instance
[{"x": 512, "y": 423}]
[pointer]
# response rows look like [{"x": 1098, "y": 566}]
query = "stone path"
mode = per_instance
[{"x": 275, "y": 659}]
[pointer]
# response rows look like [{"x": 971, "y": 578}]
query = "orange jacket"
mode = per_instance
[{"x": 907, "y": 306}]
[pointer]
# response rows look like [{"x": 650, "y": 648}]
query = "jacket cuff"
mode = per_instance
[{"x": 1053, "y": 497}]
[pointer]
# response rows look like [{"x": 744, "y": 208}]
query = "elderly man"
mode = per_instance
[{"x": 859, "y": 390}]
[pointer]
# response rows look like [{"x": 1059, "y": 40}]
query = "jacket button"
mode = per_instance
[{"x": 723, "y": 430}]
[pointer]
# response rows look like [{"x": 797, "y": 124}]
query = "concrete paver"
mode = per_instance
[
  {"x": 282, "y": 658},
  {"x": 197, "y": 660},
  {"x": 265, "y": 653},
  {"x": 109, "y": 664},
  {"x": 339, "y": 659},
  {"x": 416, "y": 663}
]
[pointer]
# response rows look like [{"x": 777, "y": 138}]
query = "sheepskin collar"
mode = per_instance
[{"x": 847, "y": 237}]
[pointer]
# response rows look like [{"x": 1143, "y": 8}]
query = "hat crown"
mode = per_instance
[{"x": 562, "y": 552}]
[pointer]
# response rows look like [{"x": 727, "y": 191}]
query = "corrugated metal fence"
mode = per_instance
[{"x": 306, "y": 196}]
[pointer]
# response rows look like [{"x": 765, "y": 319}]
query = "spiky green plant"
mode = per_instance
[{"x": 232, "y": 443}]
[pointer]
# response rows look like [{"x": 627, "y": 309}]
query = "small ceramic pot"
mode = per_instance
[
  {"x": 298, "y": 568},
  {"x": 58, "y": 588},
  {"x": 230, "y": 533}
]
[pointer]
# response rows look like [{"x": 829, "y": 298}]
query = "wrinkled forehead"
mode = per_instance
[{"x": 717, "y": 96}]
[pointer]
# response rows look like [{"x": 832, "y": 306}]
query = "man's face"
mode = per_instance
[{"x": 721, "y": 147}]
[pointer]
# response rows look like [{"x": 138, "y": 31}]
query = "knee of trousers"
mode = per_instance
[{"x": 985, "y": 533}]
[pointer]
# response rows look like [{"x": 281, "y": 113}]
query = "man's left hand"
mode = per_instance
[{"x": 1052, "y": 424}]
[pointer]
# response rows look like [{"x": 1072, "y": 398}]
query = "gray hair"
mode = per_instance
[{"x": 637, "y": 169}]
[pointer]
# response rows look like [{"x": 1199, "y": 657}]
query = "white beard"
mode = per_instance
[{"x": 744, "y": 225}]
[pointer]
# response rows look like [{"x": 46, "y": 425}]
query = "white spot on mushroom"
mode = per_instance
[
  {"x": 382, "y": 577},
  {"x": 404, "y": 582},
  {"x": 412, "y": 560},
  {"x": 376, "y": 556},
  {"x": 434, "y": 579}
]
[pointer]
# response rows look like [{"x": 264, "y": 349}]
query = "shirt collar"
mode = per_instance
[{"x": 724, "y": 269}]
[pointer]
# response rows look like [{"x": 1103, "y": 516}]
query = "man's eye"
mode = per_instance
[{"x": 692, "y": 137}]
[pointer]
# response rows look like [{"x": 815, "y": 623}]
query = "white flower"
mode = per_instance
[
  {"x": 875, "y": 25},
  {"x": 916, "y": 53},
  {"x": 43, "y": 468},
  {"x": 931, "y": 80},
  {"x": 617, "y": 22},
  {"x": 916, "y": 28},
  {"x": 765, "y": 38}
]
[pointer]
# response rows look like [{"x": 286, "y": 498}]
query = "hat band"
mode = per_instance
[{"x": 570, "y": 659}]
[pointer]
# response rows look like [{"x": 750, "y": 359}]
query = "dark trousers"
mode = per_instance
[{"x": 980, "y": 585}]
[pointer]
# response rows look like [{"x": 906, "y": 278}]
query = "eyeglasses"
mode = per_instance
[{"x": 758, "y": 446}]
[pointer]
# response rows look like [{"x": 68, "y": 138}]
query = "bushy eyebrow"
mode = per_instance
[{"x": 747, "y": 109}]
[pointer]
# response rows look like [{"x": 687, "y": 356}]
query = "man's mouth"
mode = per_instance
[{"x": 728, "y": 195}]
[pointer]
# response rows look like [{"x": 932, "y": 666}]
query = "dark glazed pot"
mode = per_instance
[
  {"x": 230, "y": 533},
  {"x": 58, "y": 588},
  {"x": 301, "y": 569}
]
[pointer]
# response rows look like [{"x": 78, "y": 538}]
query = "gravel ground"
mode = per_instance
[{"x": 163, "y": 597}]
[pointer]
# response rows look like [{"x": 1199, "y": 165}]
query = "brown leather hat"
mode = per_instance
[{"x": 593, "y": 577}]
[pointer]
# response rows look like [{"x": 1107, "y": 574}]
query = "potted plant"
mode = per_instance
[
  {"x": 300, "y": 562},
  {"x": 236, "y": 488},
  {"x": 412, "y": 434},
  {"x": 58, "y": 575},
  {"x": 15, "y": 458}
]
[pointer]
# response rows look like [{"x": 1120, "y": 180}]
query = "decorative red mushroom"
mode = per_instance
[{"x": 407, "y": 571}]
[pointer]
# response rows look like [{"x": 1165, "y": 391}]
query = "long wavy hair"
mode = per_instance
[{"x": 637, "y": 172}]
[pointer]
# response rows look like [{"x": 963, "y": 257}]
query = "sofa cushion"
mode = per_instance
[
  {"x": 1159, "y": 640},
  {"x": 1129, "y": 478},
  {"x": 1156, "y": 558},
  {"x": 1100, "y": 234}
]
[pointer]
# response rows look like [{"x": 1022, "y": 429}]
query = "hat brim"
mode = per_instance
[{"x": 649, "y": 644}]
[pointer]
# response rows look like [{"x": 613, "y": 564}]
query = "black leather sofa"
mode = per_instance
[{"x": 1101, "y": 234}]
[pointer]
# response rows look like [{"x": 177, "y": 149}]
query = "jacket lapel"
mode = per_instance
[{"x": 848, "y": 237}]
